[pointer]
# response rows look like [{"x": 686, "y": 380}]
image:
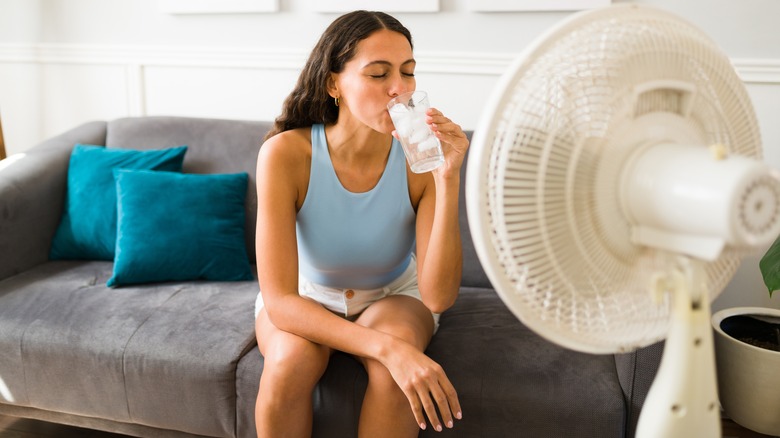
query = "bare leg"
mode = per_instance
[
  {"x": 386, "y": 411},
  {"x": 292, "y": 367}
]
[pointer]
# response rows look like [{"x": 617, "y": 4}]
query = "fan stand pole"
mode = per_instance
[{"x": 683, "y": 400}]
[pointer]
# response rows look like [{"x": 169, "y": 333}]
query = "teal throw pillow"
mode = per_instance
[
  {"x": 178, "y": 227},
  {"x": 87, "y": 230}
]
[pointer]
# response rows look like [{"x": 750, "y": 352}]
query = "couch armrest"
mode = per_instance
[{"x": 32, "y": 193}]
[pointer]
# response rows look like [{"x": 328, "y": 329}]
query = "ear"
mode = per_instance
[{"x": 333, "y": 90}]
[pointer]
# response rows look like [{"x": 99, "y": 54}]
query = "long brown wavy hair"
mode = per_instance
[{"x": 309, "y": 102}]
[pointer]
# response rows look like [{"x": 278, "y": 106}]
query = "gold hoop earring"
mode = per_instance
[{"x": 336, "y": 99}]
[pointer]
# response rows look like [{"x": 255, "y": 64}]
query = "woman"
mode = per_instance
[{"x": 339, "y": 212}]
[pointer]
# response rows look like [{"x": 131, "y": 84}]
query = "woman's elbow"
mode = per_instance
[
  {"x": 439, "y": 305},
  {"x": 277, "y": 316}
]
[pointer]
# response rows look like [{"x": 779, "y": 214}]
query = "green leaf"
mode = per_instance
[{"x": 770, "y": 267}]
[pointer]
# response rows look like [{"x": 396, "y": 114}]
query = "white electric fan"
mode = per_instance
[{"x": 613, "y": 185}]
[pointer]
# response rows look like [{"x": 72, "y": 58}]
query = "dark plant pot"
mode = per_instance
[{"x": 749, "y": 375}]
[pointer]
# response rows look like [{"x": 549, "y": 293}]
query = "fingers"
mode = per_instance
[
  {"x": 430, "y": 412},
  {"x": 442, "y": 125},
  {"x": 447, "y": 131},
  {"x": 447, "y": 402},
  {"x": 444, "y": 410},
  {"x": 417, "y": 408},
  {"x": 451, "y": 398},
  {"x": 438, "y": 393}
]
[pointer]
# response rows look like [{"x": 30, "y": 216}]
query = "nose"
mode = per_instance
[{"x": 398, "y": 86}]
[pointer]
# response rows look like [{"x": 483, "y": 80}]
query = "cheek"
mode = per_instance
[
  {"x": 369, "y": 100},
  {"x": 357, "y": 93},
  {"x": 368, "y": 103}
]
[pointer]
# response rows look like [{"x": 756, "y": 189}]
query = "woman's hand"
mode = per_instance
[
  {"x": 425, "y": 385},
  {"x": 453, "y": 140}
]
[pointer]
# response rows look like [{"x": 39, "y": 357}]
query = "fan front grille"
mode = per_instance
[{"x": 561, "y": 243}]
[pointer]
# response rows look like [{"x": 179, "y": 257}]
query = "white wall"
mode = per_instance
[{"x": 63, "y": 62}]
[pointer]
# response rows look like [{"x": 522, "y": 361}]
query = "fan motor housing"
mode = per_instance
[{"x": 695, "y": 200}]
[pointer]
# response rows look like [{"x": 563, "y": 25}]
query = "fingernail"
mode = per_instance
[
  {"x": 422, "y": 426},
  {"x": 449, "y": 424},
  {"x": 459, "y": 415},
  {"x": 438, "y": 428}
]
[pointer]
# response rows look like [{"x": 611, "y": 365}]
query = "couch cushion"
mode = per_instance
[
  {"x": 215, "y": 146},
  {"x": 157, "y": 355},
  {"x": 174, "y": 227},
  {"x": 180, "y": 366},
  {"x": 62, "y": 334},
  {"x": 88, "y": 227}
]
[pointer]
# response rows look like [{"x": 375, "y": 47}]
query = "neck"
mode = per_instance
[
  {"x": 357, "y": 143},
  {"x": 359, "y": 156}
]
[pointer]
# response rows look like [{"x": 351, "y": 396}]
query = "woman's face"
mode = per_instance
[{"x": 382, "y": 68}]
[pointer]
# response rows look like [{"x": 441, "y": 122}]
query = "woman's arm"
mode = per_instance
[{"x": 439, "y": 254}]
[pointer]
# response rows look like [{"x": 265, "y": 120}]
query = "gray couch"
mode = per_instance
[{"x": 180, "y": 359}]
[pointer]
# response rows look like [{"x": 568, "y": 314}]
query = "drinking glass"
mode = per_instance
[{"x": 420, "y": 145}]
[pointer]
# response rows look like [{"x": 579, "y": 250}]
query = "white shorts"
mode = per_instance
[{"x": 350, "y": 303}]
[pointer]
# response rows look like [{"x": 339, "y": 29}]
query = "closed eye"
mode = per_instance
[{"x": 383, "y": 75}]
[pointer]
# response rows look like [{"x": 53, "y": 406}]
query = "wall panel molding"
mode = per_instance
[
  {"x": 751, "y": 70},
  {"x": 758, "y": 71}
]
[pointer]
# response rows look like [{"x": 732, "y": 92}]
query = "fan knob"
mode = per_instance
[{"x": 758, "y": 209}]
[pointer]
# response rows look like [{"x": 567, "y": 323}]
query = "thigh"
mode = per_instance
[{"x": 402, "y": 316}]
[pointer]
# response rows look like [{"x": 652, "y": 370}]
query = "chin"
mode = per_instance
[{"x": 386, "y": 126}]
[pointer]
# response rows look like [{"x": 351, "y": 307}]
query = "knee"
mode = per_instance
[
  {"x": 380, "y": 380},
  {"x": 294, "y": 366}
]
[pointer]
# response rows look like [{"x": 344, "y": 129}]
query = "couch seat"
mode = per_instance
[{"x": 66, "y": 335}]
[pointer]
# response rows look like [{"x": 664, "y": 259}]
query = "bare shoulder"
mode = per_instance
[
  {"x": 287, "y": 147},
  {"x": 285, "y": 161}
]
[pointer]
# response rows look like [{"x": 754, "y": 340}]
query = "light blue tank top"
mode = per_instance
[{"x": 354, "y": 240}]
